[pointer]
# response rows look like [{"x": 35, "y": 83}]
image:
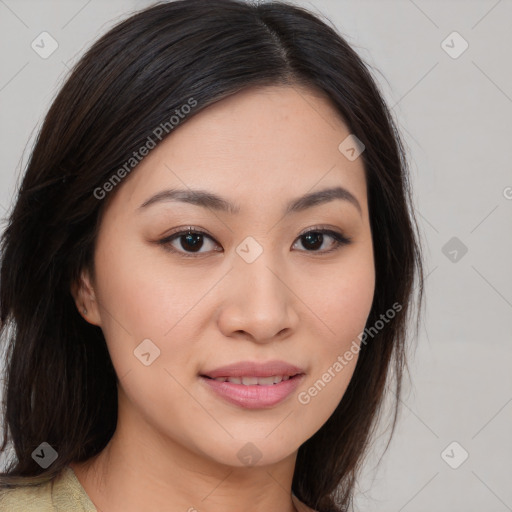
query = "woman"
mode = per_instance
[{"x": 208, "y": 270}]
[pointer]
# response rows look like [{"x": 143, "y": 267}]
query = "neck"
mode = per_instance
[{"x": 139, "y": 470}]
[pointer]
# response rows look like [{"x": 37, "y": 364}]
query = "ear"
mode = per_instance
[{"x": 85, "y": 298}]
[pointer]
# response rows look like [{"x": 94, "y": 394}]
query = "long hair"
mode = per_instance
[{"x": 60, "y": 384}]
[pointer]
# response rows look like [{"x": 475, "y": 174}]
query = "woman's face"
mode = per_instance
[{"x": 253, "y": 287}]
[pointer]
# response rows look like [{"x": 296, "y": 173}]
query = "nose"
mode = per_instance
[{"x": 258, "y": 304}]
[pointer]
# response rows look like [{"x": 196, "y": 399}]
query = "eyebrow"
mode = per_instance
[{"x": 207, "y": 199}]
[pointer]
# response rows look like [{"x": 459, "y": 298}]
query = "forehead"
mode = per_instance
[{"x": 254, "y": 147}]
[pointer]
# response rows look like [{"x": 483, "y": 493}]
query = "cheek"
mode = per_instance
[
  {"x": 350, "y": 304},
  {"x": 146, "y": 295},
  {"x": 344, "y": 316},
  {"x": 142, "y": 298},
  {"x": 342, "y": 308},
  {"x": 343, "y": 297},
  {"x": 146, "y": 310}
]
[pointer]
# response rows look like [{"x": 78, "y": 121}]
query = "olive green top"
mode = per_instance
[{"x": 64, "y": 494}]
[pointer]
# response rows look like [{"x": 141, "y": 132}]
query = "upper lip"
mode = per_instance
[{"x": 254, "y": 369}]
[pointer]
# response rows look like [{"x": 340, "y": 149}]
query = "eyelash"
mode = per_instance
[{"x": 339, "y": 238}]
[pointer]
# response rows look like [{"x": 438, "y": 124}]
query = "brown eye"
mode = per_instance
[
  {"x": 191, "y": 241},
  {"x": 314, "y": 239}
]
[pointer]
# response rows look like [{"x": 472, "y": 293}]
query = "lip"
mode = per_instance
[
  {"x": 254, "y": 369},
  {"x": 254, "y": 396}
]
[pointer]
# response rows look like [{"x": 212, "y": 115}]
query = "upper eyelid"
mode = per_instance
[
  {"x": 199, "y": 231},
  {"x": 329, "y": 231}
]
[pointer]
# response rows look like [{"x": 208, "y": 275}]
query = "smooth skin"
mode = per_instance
[{"x": 176, "y": 443}]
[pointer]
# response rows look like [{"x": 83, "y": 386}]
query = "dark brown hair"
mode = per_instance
[{"x": 60, "y": 384}]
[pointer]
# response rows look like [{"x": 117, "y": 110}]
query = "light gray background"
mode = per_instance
[{"x": 456, "y": 117}]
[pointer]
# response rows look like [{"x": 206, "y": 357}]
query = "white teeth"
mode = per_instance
[
  {"x": 268, "y": 381},
  {"x": 252, "y": 381}
]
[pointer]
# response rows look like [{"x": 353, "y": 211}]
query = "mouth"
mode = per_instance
[
  {"x": 253, "y": 385},
  {"x": 254, "y": 381},
  {"x": 247, "y": 370}
]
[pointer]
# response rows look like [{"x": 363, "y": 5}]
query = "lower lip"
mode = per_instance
[{"x": 255, "y": 396}]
